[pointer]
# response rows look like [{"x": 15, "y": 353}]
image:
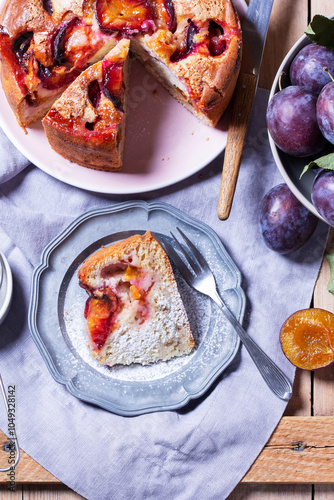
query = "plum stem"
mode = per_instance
[
  {"x": 280, "y": 80},
  {"x": 327, "y": 71}
]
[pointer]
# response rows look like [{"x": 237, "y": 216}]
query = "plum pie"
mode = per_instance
[{"x": 192, "y": 48}]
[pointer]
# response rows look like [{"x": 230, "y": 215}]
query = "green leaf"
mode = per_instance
[
  {"x": 321, "y": 31},
  {"x": 330, "y": 286},
  {"x": 325, "y": 162}
]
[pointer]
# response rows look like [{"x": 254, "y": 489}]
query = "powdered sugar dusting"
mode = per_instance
[{"x": 199, "y": 312}]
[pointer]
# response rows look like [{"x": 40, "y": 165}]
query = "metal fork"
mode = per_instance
[{"x": 198, "y": 275}]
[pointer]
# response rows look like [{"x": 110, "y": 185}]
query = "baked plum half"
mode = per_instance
[
  {"x": 128, "y": 16},
  {"x": 189, "y": 45},
  {"x": 164, "y": 14}
]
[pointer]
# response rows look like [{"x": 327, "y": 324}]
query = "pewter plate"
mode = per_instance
[{"x": 57, "y": 323}]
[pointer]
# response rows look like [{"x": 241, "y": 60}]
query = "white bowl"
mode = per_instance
[
  {"x": 6, "y": 289},
  {"x": 290, "y": 166}
]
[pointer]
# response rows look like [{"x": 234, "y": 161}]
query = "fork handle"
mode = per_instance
[{"x": 271, "y": 373}]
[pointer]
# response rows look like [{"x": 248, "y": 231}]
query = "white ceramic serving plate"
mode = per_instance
[
  {"x": 165, "y": 143},
  {"x": 289, "y": 166}
]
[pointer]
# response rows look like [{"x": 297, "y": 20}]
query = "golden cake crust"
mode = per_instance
[{"x": 181, "y": 57}]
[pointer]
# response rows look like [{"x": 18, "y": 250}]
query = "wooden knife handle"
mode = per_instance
[{"x": 241, "y": 110}]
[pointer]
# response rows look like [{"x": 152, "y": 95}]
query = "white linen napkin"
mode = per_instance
[{"x": 204, "y": 449}]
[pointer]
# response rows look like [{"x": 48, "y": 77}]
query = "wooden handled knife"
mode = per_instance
[{"x": 254, "y": 32}]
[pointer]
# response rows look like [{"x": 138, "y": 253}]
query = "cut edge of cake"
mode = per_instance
[
  {"x": 132, "y": 289},
  {"x": 83, "y": 131}
]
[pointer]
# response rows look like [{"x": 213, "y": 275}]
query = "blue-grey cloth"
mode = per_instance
[{"x": 203, "y": 450}]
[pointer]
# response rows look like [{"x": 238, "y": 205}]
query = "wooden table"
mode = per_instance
[{"x": 298, "y": 460}]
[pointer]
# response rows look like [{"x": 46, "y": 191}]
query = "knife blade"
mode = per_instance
[{"x": 254, "y": 33}]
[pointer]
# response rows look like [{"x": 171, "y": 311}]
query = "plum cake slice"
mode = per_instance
[
  {"x": 86, "y": 125},
  {"x": 134, "y": 311}
]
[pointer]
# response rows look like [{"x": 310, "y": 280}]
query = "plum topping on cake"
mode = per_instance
[
  {"x": 74, "y": 43},
  {"x": 164, "y": 14},
  {"x": 20, "y": 48},
  {"x": 127, "y": 16},
  {"x": 113, "y": 87},
  {"x": 220, "y": 36},
  {"x": 60, "y": 38},
  {"x": 48, "y": 7},
  {"x": 56, "y": 64},
  {"x": 104, "y": 305},
  {"x": 101, "y": 313},
  {"x": 217, "y": 43},
  {"x": 17, "y": 56},
  {"x": 189, "y": 45},
  {"x": 94, "y": 93},
  {"x": 56, "y": 77}
]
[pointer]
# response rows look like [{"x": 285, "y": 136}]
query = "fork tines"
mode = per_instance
[{"x": 192, "y": 256}]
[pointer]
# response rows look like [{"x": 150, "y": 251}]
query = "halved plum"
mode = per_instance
[
  {"x": 99, "y": 312},
  {"x": 189, "y": 46},
  {"x": 112, "y": 83},
  {"x": 217, "y": 43},
  {"x": 94, "y": 93},
  {"x": 21, "y": 46},
  {"x": 48, "y": 7},
  {"x": 307, "y": 338},
  {"x": 59, "y": 40},
  {"x": 165, "y": 12},
  {"x": 128, "y": 16}
]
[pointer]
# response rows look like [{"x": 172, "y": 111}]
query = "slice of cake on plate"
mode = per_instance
[
  {"x": 86, "y": 125},
  {"x": 134, "y": 311}
]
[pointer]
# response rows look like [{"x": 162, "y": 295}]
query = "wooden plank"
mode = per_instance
[
  {"x": 27, "y": 471},
  {"x": 301, "y": 402},
  {"x": 324, "y": 7},
  {"x": 5, "y": 494},
  {"x": 291, "y": 19},
  {"x": 45, "y": 492},
  {"x": 287, "y": 24},
  {"x": 323, "y": 401},
  {"x": 247, "y": 491},
  {"x": 301, "y": 449}
]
